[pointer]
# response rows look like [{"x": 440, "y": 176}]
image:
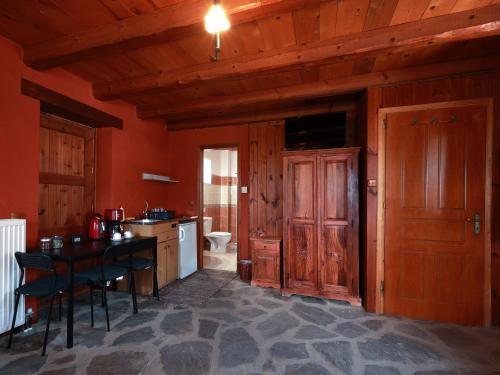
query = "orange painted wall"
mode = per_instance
[
  {"x": 121, "y": 155},
  {"x": 185, "y": 154}
]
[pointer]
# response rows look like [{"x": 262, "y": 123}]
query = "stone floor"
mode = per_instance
[{"x": 235, "y": 329}]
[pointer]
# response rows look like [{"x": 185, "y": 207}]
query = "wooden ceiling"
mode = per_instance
[{"x": 279, "y": 56}]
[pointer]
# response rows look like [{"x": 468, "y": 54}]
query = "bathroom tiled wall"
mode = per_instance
[{"x": 220, "y": 195}]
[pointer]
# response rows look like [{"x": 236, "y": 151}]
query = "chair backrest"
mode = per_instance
[
  {"x": 111, "y": 253},
  {"x": 36, "y": 261},
  {"x": 115, "y": 252}
]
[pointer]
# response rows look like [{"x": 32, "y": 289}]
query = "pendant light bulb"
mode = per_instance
[{"x": 216, "y": 20}]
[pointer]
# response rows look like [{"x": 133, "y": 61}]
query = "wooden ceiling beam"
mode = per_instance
[
  {"x": 472, "y": 24},
  {"x": 325, "y": 88},
  {"x": 247, "y": 118},
  {"x": 176, "y": 21},
  {"x": 63, "y": 106}
]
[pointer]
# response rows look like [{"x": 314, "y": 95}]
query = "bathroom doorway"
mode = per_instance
[{"x": 219, "y": 206}]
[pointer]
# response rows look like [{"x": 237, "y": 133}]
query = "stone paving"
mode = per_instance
[{"x": 247, "y": 331}]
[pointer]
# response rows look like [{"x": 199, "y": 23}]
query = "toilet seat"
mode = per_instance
[
  {"x": 219, "y": 234},
  {"x": 218, "y": 240}
]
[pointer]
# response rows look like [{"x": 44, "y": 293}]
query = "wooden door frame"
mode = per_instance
[
  {"x": 380, "y": 249},
  {"x": 201, "y": 237}
]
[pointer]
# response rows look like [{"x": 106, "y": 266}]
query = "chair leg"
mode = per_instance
[
  {"x": 129, "y": 284},
  {"x": 105, "y": 304},
  {"x": 60, "y": 306},
  {"x": 134, "y": 296},
  {"x": 91, "y": 306},
  {"x": 49, "y": 314},
  {"x": 16, "y": 306}
]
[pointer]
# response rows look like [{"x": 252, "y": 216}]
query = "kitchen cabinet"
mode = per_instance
[
  {"x": 172, "y": 260},
  {"x": 266, "y": 262},
  {"x": 167, "y": 234},
  {"x": 321, "y": 243}
]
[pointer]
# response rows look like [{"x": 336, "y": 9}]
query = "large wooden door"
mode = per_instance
[
  {"x": 66, "y": 182},
  {"x": 435, "y": 190},
  {"x": 338, "y": 223},
  {"x": 300, "y": 226}
]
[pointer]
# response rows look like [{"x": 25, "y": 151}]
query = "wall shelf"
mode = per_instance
[{"x": 157, "y": 177}]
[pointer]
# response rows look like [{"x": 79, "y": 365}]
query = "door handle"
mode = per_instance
[
  {"x": 476, "y": 221},
  {"x": 477, "y": 224}
]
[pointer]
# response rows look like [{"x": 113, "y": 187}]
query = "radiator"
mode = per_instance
[{"x": 12, "y": 239}]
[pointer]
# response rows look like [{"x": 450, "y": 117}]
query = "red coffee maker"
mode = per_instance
[
  {"x": 114, "y": 218},
  {"x": 97, "y": 227}
]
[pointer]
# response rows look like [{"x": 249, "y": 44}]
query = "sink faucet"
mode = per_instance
[{"x": 146, "y": 207}]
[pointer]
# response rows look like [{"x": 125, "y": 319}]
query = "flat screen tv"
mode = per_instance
[{"x": 326, "y": 130}]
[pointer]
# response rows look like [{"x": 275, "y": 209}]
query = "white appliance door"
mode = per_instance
[{"x": 188, "y": 262}]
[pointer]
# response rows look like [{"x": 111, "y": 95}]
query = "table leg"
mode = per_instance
[
  {"x": 69, "y": 323},
  {"x": 156, "y": 293}
]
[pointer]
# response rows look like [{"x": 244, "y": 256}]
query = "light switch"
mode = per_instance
[
  {"x": 372, "y": 183},
  {"x": 244, "y": 189}
]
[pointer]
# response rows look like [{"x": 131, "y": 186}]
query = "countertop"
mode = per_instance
[{"x": 180, "y": 220}]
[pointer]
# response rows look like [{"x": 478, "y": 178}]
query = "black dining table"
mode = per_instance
[{"x": 72, "y": 254}]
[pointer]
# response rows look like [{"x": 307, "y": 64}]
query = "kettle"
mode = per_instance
[{"x": 97, "y": 227}]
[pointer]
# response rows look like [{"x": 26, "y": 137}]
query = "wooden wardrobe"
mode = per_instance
[{"x": 320, "y": 229}]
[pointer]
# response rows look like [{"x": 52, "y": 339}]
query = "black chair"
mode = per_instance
[
  {"x": 136, "y": 264},
  {"x": 108, "y": 270},
  {"x": 50, "y": 286}
]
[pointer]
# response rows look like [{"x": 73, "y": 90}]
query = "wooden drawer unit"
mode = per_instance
[
  {"x": 167, "y": 235},
  {"x": 266, "y": 262}
]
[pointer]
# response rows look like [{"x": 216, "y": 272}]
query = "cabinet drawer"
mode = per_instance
[
  {"x": 265, "y": 245},
  {"x": 167, "y": 236}
]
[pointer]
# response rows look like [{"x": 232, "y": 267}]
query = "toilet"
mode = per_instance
[{"x": 218, "y": 240}]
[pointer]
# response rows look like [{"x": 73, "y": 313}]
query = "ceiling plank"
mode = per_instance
[
  {"x": 380, "y": 13},
  {"x": 262, "y": 116},
  {"x": 164, "y": 25},
  {"x": 325, "y": 88},
  {"x": 459, "y": 26}
]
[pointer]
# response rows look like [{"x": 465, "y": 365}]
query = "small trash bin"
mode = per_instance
[{"x": 245, "y": 269}]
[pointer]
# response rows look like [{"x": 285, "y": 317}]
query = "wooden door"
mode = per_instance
[
  {"x": 300, "y": 227},
  {"x": 338, "y": 223},
  {"x": 66, "y": 181},
  {"x": 435, "y": 184}
]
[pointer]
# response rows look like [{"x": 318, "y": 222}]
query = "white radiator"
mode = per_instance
[{"x": 12, "y": 239}]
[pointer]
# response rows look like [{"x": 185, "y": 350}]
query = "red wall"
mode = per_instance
[
  {"x": 185, "y": 149},
  {"x": 121, "y": 155}
]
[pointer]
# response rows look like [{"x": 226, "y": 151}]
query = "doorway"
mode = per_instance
[
  {"x": 436, "y": 198},
  {"x": 219, "y": 207}
]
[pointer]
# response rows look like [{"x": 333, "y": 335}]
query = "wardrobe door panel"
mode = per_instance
[
  {"x": 300, "y": 226},
  {"x": 303, "y": 256},
  {"x": 338, "y": 206},
  {"x": 334, "y": 270}
]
